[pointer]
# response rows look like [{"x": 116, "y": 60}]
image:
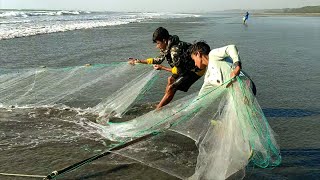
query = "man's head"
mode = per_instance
[
  {"x": 200, "y": 54},
  {"x": 161, "y": 37}
]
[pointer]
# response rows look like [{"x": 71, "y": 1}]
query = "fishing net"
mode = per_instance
[
  {"x": 96, "y": 88},
  {"x": 211, "y": 134},
  {"x": 226, "y": 124}
]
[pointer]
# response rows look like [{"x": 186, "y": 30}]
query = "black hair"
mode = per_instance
[
  {"x": 200, "y": 46},
  {"x": 160, "y": 34}
]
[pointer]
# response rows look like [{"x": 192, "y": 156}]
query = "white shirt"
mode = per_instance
[{"x": 220, "y": 66}]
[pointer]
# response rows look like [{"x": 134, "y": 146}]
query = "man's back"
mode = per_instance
[{"x": 178, "y": 55}]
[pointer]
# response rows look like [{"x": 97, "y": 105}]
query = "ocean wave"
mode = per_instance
[
  {"x": 25, "y": 14},
  {"x": 45, "y": 22},
  {"x": 46, "y": 29}
]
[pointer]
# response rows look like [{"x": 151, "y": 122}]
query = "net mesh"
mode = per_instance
[
  {"x": 227, "y": 125},
  {"x": 213, "y": 134},
  {"x": 93, "y": 86}
]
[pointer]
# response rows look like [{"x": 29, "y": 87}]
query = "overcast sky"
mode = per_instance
[{"x": 155, "y": 5}]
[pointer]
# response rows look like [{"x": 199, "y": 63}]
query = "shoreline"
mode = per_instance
[{"x": 286, "y": 14}]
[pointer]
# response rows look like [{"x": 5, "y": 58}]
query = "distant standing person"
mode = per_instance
[{"x": 245, "y": 18}]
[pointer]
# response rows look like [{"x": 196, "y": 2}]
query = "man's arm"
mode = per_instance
[
  {"x": 134, "y": 61},
  {"x": 220, "y": 54},
  {"x": 177, "y": 55},
  {"x": 234, "y": 54},
  {"x": 231, "y": 51},
  {"x": 236, "y": 71},
  {"x": 160, "y": 67},
  {"x": 157, "y": 60}
]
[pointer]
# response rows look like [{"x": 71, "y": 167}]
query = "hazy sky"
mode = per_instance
[{"x": 154, "y": 5}]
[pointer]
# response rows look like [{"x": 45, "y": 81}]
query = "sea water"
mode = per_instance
[{"x": 280, "y": 53}]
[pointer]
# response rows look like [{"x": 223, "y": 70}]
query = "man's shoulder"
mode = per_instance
[
  {"x": 215, "y": 54},
  {"x": 180, "y": 49},
  {"x": 181, "y": 45},
  {"x": 174, "y": 39},
  {"x": 223, "y": 52},
  {"x": 216, "y": 50}
]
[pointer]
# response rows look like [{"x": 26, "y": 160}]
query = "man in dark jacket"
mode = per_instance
[{"x": 176, "y": 53}]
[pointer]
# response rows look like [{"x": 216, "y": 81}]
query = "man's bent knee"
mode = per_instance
[
  {"x": 171, "y": 89},
  {"x": 171, "y": 80}
]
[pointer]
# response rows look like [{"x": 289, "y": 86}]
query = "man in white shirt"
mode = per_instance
[
  {"x": 222, "y": 64},
  {"x": 239, "y": 132}
]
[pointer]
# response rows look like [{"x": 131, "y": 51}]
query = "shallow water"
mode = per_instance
[{"x": 279, "y": 53}]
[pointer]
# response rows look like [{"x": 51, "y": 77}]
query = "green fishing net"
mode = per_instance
[{"x": 211, "y": 134}]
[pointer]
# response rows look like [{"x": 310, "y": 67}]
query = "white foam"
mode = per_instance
[
  {"x": 8, "y": 33},
  {"x": 11, "y": 14},
  {"x": 28, "y": 23}
]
